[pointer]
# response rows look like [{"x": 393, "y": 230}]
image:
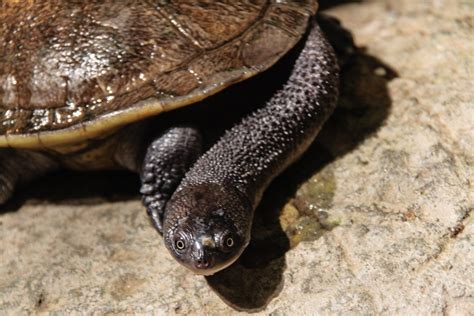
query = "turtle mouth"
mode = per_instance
[
  {"x": 202, "y": 269},
  {"x": 205, "y": 260}
]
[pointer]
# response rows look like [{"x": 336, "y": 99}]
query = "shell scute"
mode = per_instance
[{"x": 70, "y": 71}]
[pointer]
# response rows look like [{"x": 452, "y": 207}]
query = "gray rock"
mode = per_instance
[{"x": 379, "y": 217}]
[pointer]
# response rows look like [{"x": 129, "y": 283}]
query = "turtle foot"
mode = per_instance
[{"x": 167, "y": 160}]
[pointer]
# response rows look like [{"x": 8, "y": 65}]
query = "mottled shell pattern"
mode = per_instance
[{"x": 75, "y": 70}]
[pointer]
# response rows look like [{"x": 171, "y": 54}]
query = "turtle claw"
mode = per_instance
[{"x": 155, "y": 210}]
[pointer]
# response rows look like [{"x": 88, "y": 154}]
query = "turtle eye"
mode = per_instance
[
  {"x": 179, "y": 244},
  {"x": 229, "y": 242}
]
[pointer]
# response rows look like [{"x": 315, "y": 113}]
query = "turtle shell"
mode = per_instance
[{"x": 75, "y": 70}]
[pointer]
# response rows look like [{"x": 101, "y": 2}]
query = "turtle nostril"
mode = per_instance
[{"x": 202, "y": 263}]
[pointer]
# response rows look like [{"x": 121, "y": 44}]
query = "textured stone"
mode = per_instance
[{"x": 377, "y": 217}]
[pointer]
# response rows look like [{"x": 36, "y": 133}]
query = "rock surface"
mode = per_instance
[{"x": 376, "y": 218}]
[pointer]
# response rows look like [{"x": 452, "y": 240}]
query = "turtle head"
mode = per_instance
[{"x": 207, "y": 227}]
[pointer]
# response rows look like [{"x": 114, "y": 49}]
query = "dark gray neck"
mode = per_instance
[{"x": 263, "y": 144}]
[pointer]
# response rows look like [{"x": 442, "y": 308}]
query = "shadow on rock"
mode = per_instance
[
  {"x": 74, "y": 188},
  {"x": 257, "y": 277}
]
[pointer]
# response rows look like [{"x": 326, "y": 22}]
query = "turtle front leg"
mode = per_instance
[
  {"x": 166, "y": 161},
  {"x": 18, "y": 167}
]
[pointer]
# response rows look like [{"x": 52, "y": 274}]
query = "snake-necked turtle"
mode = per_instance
[{"x": 75, "y": 74}]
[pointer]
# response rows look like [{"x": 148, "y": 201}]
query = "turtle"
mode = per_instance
[{"x": 82, "y": 84}]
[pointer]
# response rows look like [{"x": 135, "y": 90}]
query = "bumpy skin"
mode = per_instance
[{"x": 208, "y": 219}]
